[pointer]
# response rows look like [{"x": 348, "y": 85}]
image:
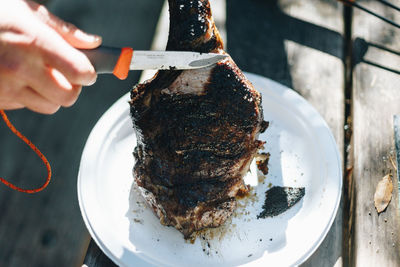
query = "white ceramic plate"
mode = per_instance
[{"x": 303, "y": 154}]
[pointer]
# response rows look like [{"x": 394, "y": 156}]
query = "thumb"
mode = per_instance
[{"x": 68, "y": 31}]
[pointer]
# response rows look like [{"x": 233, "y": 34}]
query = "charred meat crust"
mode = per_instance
[
  {"x": 193, "y": 137},
  {"x": 211, "y": 214},
  {"x": 195, "y": 146}
]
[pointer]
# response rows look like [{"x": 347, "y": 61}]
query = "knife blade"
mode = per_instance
[{"x": 119, "y": 61}]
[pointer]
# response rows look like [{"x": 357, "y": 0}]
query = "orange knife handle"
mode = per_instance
[
  {"x": 110, "y": 60},
  {"x": 121, "y": 69}
]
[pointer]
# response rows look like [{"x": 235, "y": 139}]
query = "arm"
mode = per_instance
[{"x": 40, "y": 67}]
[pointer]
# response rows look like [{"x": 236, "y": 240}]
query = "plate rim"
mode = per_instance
[{"x": 117, "y": 108}]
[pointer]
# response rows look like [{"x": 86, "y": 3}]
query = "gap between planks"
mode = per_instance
[
  {"x": 348, "y": 128},
  {"x": 372, "y": 240}
]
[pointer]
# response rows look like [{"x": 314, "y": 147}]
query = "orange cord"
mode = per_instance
[{"x": 35, "y": 149}]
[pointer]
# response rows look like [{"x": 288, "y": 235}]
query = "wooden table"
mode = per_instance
[
  {"x": 46, "y": 229},
  {"x": 347, "y": 65}
]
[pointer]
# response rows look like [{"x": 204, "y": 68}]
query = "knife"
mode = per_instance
[{"x": 119, "y": 61}]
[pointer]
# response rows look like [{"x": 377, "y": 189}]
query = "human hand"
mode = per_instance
[{"x": 40, "y": 67}]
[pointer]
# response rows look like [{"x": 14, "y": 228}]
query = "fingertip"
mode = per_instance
[
  {"x": 87, "y": 75},
  {"x": 72, "y": 63},
  {"x": 49, "y": 110},
  {"x": 81, "y": 70},
  {"x": 76, "y": 92},
  {"x": 92, "y": 81},
  {"x": 73, "y": 35},
  {"x": 60, "y": 79},
  {"x": 78, "y": 89},
  {"x": 83, "y": 40},
  {"x": 86, "y": 37}
]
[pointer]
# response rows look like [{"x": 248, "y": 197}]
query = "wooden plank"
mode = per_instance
[
  {"x": 46, "y": 229},
  {"x": 96, "y": 258},
  {"x": 299, "y": 44},
  {"x": 376, "y": 239},
  {"x": 396, "y": 126}
]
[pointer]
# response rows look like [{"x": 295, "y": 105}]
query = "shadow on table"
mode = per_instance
[
  {"x": 257, "y": 32},
  {"x": 360, "y": 49},
  {"x": 256, "y": 35}
]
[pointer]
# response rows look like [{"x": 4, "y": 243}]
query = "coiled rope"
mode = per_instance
[{"x": 35, "y": 149}]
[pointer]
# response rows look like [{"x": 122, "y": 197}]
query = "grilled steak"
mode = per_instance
[{"x": 196, "y": 129}]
